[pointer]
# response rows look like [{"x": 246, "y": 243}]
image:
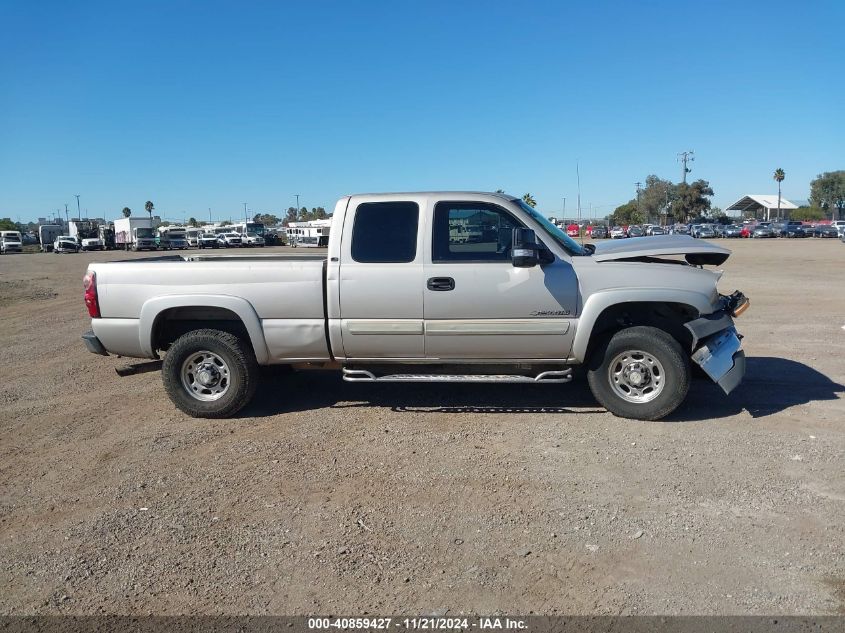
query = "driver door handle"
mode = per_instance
[{"x": 440, "y": 283}]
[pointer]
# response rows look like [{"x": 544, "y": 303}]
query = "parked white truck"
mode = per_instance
[
  {"x": 87, "y": 234},
  {"x": 135, "y": 234},
  {"x": 396, "y": 299},
  {"x": 172, "y": 237},
  {"x": 47, "y": 234},
  {"x": 10, "y": 242}
]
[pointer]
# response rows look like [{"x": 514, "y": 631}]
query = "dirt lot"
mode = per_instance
[{"x": 326, "y": 497}]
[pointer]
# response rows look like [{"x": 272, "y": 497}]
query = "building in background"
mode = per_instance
[{"x": 763, "y": 207}]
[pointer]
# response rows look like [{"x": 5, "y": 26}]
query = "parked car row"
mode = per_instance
[
  {"x": 788, "y": 229},
  {"x": 230, "y": 239}
]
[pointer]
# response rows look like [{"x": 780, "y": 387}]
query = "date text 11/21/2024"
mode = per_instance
[{"x": 415, "y": 623}]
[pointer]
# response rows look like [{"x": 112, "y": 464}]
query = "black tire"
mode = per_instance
[
  {"x": 655, "y": 342},
  {"x": 239, "y": 359}
]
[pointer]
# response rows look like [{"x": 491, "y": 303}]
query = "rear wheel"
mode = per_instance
[
  {"x": 210, "y": 373},
  {"x": 641, "y": 373}
]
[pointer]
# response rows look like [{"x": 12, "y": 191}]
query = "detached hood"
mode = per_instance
[{"x": 696, "y": 252}]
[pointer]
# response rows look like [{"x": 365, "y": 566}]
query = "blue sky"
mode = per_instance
[{"x": 212, "y": 104}]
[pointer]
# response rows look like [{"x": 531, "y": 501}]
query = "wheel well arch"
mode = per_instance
[
  {"x": 668, "y": 316},
  {"x": 163, "y": 320},
  {"x": 171, "y": 323}
]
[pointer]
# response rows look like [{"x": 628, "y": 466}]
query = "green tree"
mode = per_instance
[
  {"x": 692, "y": 200},
  {"x": 193, "y": 222},
  {"x": 529, "y": 200},
  {"x": 779, "y": 176},
  {"x": 127, "y": 212},
  {"x": 290, "y": 216},
  {"x": 6, "y": 224},
  {"x": 304, "y": 215},
  {"x": 267, "y": 219},
  {"x": 656, "y": 197},
  {"x": 827, "y": 191},
  {"x": 225, "y": 223},
  {"x": 626, "y": 214},
  {"x": 148, "y": 207},
  {"x": 807, "y": 214}
]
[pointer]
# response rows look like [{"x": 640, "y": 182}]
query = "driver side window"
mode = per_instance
[{"x": 471, "y": 232}]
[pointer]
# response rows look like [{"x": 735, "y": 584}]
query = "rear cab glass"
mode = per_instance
[{"x": 385, "y": 232}]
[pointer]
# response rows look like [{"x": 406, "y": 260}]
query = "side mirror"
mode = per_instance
[{"x": 524, "y": 249}]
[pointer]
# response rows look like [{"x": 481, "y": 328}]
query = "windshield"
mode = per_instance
[
  {"x": 143, "y": 232},
  {"x": 564, "y": 241},
  {"x": 255, "y": 227}
]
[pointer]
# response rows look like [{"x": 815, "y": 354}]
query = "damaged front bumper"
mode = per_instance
[
  {"x": 716, "y": 344},
  {"x": 722, "y": 359}
]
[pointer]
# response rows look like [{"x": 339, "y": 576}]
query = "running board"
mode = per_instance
[{"x": 362, "y": 375}]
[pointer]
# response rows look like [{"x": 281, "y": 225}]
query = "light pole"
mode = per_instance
[
  {"x": 67, "y": 220},
  {"x": 78, "y": 212},
  {"x": 297, "y": 204},
  {"x": 245, "y": 218},
  {"x": 209, "y": 216}
]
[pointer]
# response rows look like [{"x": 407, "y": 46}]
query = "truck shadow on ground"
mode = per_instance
[{"x": 771, "y": 385}]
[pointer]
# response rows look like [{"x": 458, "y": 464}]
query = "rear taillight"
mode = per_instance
[{"x": 89, "y": 282}]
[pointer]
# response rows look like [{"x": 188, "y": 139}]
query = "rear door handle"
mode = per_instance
[{"x": 441, "y": 283}]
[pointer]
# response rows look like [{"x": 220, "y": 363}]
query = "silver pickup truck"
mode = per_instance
[{"x": 401, "y": 296}]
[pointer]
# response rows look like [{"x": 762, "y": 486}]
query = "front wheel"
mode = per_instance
[
  {"x": 210, "y": 373},
  {"x": 641, "y": 373}
]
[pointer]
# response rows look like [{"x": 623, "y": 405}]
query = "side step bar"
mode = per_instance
[{"x": 362, "y": 375}]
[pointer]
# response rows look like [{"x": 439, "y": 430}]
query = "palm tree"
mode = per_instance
[
  {"x": 779, "y": 175},
  {"x": 192, "y": 222},
  {"x": 148, "y": 207},
  {"x": 127, "y": 212},
  {"x": 529, "y": 200}
]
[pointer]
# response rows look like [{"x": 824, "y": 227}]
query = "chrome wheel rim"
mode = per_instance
[
  {"x": 636, "y": 376},
  {"x": 205, "y": 376}
]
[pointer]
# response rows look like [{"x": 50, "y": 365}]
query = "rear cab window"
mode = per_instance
[{"x": 385, "y": 232}]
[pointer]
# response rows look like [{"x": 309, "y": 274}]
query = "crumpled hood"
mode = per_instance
[{"x": 696, "y": 252}]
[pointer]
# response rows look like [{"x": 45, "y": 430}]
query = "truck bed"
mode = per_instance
[{"x": 282, "y": 295}]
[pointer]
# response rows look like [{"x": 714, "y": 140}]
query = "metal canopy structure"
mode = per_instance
[{"x": 762, "y": 204}]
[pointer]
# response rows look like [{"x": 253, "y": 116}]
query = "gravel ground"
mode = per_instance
[{"x": 327, "y": 497}]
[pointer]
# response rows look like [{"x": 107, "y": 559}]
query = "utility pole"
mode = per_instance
[
  {"x": 78, "y": 212},
  {"x": 297, "y": 204},
  {"x": 210, "y": 221},
  {"x": 245, "y": 218},
  {"x": 578, "y": 175},
  {"x": 67, "y": 219},
  {"x": 639, "y": 185},
  {"x": 564, "y": 210},
  {"x": 684, "y": 158}
]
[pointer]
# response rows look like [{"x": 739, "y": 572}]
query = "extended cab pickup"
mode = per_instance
[{"x": 401, "y": 297}]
